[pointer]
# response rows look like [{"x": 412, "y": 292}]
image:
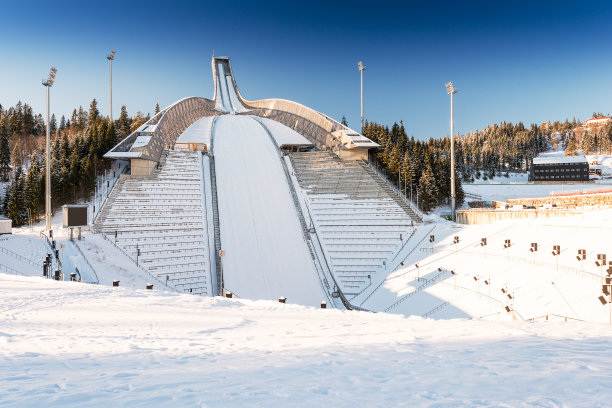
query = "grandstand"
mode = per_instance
[
  {"x": 158, "y": 220},
  {"x": 359, "y": 220},
  {"x": 229, "y": 211}
]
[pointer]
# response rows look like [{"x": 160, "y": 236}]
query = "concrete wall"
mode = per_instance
[
  {"x": 491, "y": 216},
  {"x": 573, "y": 201},
  {"x": 142, "y": 167},
  {"x": 190, "y": 147},
  {"x": 358, "y": 153}
]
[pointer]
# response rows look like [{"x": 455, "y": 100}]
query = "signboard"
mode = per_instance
[{"x": 74, "y": 215}]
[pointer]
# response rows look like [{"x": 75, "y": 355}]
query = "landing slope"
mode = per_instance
[{"x": 266, "y": 255}]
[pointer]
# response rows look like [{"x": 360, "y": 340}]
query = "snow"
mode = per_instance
[
  {"x": 542, "y": 284},
  {"x": 198, "y": 132},
  {"x": 558, "y": 157},
  {"x": 283, "y": 135},
  {"x": 73, "y": 345},
  {"x": 503, "y": 192},
  {"x": 513, "y": 178},
  {"x": 266, "y": 254}
]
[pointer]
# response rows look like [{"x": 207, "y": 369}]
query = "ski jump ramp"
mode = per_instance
[{"x": 265, "y": 245}]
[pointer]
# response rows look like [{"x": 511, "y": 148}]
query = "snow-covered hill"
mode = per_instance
[{"x": 74, "y": 345}]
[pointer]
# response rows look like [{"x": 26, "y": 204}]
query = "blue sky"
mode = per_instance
[{"x": 527, "y": 61}]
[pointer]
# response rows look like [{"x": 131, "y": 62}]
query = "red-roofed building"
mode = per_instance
[{"x": 597, "y": 121}]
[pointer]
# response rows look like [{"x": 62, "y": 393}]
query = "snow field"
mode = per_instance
[
  {"x": 73, "y": 345},
  {"x": 528, "y": 276}
]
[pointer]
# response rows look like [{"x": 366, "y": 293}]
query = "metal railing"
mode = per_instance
[
  {"x": 20, "y": 257},
  {"x": 397, "y": 191},
  {"x": 163, "y": 284},
  {"x": 428, "y": 282},
  {"x": 9, "y": 270},
  {"x": 87, "y": 262}
]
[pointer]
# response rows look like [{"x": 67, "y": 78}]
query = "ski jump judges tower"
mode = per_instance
[{"x": 263, "y": 199}]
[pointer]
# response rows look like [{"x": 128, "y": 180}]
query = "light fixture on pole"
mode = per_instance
[
  {"x": 451, "y": 91},
  {"x": 48, "y": 83},
  {"x": 110, "y": 58},
  {"x": 361, "y": 69}
]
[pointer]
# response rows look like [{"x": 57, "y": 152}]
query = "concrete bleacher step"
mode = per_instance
[
  {"x": 161, "y": 216},
  {"x": 360, "y": 221}
]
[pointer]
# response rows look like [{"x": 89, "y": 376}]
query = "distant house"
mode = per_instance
[
  {"x": 557, "y": 168},
  {"x": 593, "y": 122}
]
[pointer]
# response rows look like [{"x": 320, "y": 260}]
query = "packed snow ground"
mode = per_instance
[{"x": 66, "y": 344}]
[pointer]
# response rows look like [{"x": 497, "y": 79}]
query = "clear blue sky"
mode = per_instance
[{"x": 527, "y": 61}]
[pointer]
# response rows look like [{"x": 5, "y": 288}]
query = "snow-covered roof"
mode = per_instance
[
  {"x": 198, "y": 132},
  {"x": 284, "y": 135},
  {"x": 559, "y": 159},
  {"x": 350, "y": 139},
  {"x": 147, "y": 128},
  {"x": 141, "y": 141}
]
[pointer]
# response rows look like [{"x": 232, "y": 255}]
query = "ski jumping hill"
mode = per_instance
[{"x": 262, "y": 199}]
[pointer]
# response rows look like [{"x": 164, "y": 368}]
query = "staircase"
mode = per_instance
[{"x": 217, "y": 229}]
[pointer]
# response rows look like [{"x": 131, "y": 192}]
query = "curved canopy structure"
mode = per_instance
[{"x": 162, "y": 131}]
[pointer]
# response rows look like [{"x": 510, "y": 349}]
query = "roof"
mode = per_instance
[
  {"x": 198, "y": 132},
  {"x": 352, "y": 139},
  {"x": 141, "y": 141},
  {"x": 559, "y": 159}
]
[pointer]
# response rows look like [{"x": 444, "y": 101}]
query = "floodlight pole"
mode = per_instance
[
  {"x": 361, "y": 69},
  {"x": 451, "y": 91},
  {"x": 48, "y": 83},
  {"x": 110, "y": 58}
]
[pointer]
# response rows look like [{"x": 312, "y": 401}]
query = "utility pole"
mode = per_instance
[
  {"x": 110, "y": 58},
  {"x": 361, "y": 69},
  {"x": 48, "y": 83},
  {"x": 451, "y": 91}
]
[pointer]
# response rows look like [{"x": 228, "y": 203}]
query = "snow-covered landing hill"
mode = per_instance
[{"x": 66, "y": 344}]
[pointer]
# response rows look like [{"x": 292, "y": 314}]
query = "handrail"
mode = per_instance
[
  {"x": 533, "y": 319},
  {"x": 57, "y": 258},
  {"x": 397, "y": 191},
  {"x": 138, "y": 266},
  {"x": 435, "y": 309},
  {"x": 410, "y": 253},
  {"x": 20, "y": 257},
  {"x": 428, "y": 282},
  {"x": 87, "y": 262},
  {"x": 10, "y": 270}
]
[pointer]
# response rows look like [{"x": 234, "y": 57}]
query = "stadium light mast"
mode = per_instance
[
  {"x": 361, "y": 69},
  {"x": 48, "y": 83},
  {"x": 451, "y": 91},
  {"x": 110, "y": 58}
]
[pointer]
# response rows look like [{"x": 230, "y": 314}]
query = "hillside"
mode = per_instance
[{"x": 74, "y": 345}]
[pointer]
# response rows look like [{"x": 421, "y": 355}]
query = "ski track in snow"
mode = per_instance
[{"x": 266, "y": 255}]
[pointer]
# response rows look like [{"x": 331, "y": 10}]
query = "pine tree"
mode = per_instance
[
  {"x": 62, "y": 124},
  {"x": 52, "y": 124},
  {"x": 5, "y": 154},
  {"x": 156, "y": 109},
  {"x": 94, "y": 113},
  {"x": 16, "y": 156},
  {"x": 344, "y": 121},
  {"x": 32, "y": 195},
  {"x": 123, "y": 123},
  {"x": 428, "y": 191},
  {"x": 15, "y": 209}
]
